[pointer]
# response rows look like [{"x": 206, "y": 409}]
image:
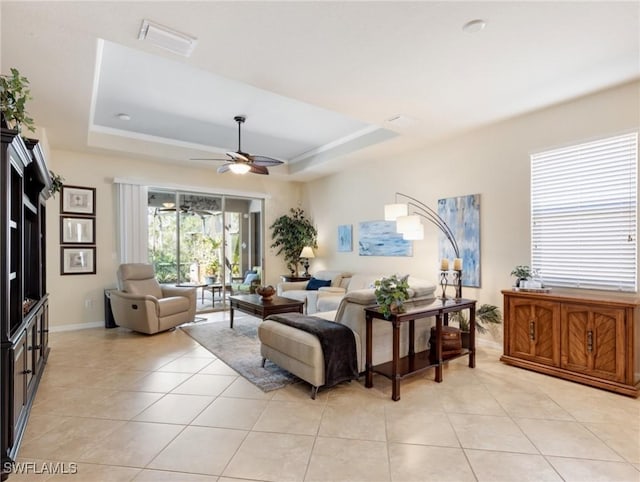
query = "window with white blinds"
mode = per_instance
[{"x": 584, "y": 212}]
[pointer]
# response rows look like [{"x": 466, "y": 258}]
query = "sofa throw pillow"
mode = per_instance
[
  {"x": 314, "y": 283},
  {"x": 250, "y": 277}
]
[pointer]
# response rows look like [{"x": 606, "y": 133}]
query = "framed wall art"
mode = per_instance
[
  {"x": 345, "y": 236},
  {"x": 78, "y": 200},
  {"x": 76, "y": 230},
  {"x": 462, "y": 215},
  {"x": 379, "y": 238},
  {"x": 77, "y": 260}
]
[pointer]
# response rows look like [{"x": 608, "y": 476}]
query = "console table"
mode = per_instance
[{"x": 398, "y": 368}]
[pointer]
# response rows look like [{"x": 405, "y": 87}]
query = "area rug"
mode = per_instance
[{"x": 240, "y": 349}]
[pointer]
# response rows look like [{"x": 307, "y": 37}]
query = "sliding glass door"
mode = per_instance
[{"x": 204, "y": 240}]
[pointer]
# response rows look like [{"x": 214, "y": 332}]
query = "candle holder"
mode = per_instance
[
  {"x": 444, "y": 282},
  {"x": 457, "y": 282}
]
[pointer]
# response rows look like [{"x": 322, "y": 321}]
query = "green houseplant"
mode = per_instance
[
  {"x": 291, "y": 233},
  {"x": 486, "y": 314},
  {"x": 14, "y": 94},
  {"x": 391, "y": 293},
  {"x": 522, "y": 272},
  {"x": 57, "y": 181}
]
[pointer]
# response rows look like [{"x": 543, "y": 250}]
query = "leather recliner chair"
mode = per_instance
[{"x": 142, "y": 304}]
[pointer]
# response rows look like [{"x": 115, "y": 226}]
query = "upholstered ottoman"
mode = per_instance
[{"x": 295, "y": 350}]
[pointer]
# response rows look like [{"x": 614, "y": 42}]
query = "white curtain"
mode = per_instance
[{"x": 133, "y": 229}]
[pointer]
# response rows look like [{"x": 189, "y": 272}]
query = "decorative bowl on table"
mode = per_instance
[{"x": 266, "y": 292}]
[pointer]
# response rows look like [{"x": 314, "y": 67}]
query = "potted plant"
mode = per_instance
[
  {"x": 14, "y": 94},
  {"x": 391, "y": 293},
  {"x": 485, "y": 314},
  {"x": 291, "y": 233},
  {"x": 57, "y": 181},
  {"x": 522, "y": 273},
  {"x": 211, "y": 271}
]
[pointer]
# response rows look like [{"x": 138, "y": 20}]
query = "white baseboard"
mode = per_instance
[{"x": 76, "y": 326}]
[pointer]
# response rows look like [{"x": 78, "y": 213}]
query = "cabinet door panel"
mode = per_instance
[
  {"x": 574, "y": 338},
  {"x": 604, "y": 334},
  {"x": 534, "y": 329},
  {"x": 593, "y": 341},
  {"x": 520, "y": 317}
]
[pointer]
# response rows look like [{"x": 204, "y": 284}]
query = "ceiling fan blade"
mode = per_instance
[
  {"x": 224, "y": 168},
  {"x": 259, "y": 169},
  {"x": 266, "y": 161},
  {"x": 236, "y": 156}
]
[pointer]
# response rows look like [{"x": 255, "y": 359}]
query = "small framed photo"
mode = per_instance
[
  {"x": 78, "y": 200},
  {"x": 77, "y": 230},
  {"x": 77, "y": 260}
]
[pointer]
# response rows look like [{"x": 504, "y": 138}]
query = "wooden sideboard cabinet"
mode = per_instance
[{"x": 587, "y": 338}]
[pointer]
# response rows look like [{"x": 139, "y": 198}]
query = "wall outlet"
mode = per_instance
[{"x": 88, "y": 303}]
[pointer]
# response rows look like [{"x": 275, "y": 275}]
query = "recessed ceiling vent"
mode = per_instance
[{"x": 166, "y": 38}]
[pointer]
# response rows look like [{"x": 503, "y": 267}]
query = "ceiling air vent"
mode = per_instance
[{"x": 166, "y": 38}]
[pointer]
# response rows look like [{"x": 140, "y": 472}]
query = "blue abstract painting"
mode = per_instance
[
  {"x": 379, "y": 238},
  {"x": 345, "y": 240},
  {"x": 462, "y": 215}
]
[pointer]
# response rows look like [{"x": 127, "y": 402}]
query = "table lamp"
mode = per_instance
[{"x": 305, "y": 254}]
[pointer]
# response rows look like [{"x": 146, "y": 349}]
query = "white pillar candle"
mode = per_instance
[{"x": 444, "y": 264}]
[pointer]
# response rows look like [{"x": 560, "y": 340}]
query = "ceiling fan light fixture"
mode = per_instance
[
  {"x": 239, "y": 168},
  {"x": 168, "y": 205}
]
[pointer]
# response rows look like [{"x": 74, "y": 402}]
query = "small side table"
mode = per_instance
[
  {"x": 398, "y": 368},
  {"x": 202, "y": 287},
  {"x": 288, "y": 278}
]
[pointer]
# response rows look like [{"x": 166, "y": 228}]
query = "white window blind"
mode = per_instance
[{"x": 584, "y": 212}]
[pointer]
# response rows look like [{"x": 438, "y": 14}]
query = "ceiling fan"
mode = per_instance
[{"x": 243, "y": 162}]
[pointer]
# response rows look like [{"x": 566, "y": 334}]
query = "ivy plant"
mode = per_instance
[{"x": 290, "y": 233}]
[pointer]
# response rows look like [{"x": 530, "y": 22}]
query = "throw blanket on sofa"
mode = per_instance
[{"x": 337, "y": 342}]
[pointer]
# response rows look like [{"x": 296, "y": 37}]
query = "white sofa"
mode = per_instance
[
  {"x": 300, "y": 352},
  {"x": 297, "y": 289}
]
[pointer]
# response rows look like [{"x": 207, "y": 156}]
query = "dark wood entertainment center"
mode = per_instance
[{"x": 25, "y": 183}]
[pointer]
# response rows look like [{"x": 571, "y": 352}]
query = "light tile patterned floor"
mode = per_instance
[{"x": 126, "y": 407}]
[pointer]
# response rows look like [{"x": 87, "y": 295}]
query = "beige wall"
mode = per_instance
[
  {"x": 493, "y": 161},
  {"x": 78, "y": 299}
]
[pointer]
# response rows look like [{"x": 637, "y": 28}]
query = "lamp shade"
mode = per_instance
[
  {"x": 408, "y": 223},
  {"x": 414, "y": 235},
  {"x": 393, "y": 211},
  {"x": 239, "y": 168},
  {"x": 307, "y": 252}
]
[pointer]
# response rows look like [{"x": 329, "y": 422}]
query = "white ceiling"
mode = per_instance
[{"x": 317, "y": 80}]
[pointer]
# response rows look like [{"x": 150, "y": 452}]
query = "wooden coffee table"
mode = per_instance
[{"x": 255, "y": 305}]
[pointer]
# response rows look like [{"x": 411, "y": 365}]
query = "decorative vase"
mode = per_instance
[{"x": 266, "y": 292}]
